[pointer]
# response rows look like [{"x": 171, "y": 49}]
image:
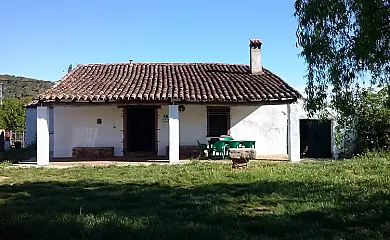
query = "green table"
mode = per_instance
[{"x": 210, "y": 143}]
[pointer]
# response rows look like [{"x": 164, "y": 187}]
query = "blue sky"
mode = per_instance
[{"x": 41, "y": 38}]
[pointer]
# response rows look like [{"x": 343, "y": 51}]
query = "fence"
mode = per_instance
[
  {"x": 17, "y": 139},
  {"x": 18, "y": 136}
]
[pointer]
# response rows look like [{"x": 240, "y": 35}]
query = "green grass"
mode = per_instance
[{"x": 311, "y": 200}]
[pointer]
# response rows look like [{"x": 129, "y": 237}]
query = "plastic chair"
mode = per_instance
[
  {"x": 201, "y": 147},
  {"x": 228, "y": 138},
  {"x": 248, "y": 144},
  {"x": 232, "y": 144},
  {"x": 218, "y": 147},
  {"x": 213, "y": 140}
]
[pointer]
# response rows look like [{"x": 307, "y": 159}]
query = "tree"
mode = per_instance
[
  {"x": 345, "y": 43},
  {"x": 12, "y": 113},
  {"x": 21, "y": 87},
  {"x": 373, "y": 119}
]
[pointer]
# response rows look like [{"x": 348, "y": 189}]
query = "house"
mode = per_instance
[{"x": 163, "y": 108}]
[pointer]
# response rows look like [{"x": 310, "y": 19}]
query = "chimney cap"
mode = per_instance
[{"x": 255, "y": 43}]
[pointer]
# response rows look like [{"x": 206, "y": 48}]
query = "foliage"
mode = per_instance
[
  {"x": 312, "y": 200},
  {"x": 12, "y": 113},
  {"x": 344, "y": 43},
  {"x": 22, "y": 87},
  {"x": 373, "y": 119},
  {"x": 17, "y": 92}
]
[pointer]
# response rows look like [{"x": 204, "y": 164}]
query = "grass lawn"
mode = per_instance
[{"x": 310, "y": 200}]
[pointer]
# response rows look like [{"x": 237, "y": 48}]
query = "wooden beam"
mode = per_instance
[{"x": 165, "y": 103}]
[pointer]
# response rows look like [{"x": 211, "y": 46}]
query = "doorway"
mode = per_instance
[
  {"x": 141, "y": 129},
  {"x": 316, "y": 137}
]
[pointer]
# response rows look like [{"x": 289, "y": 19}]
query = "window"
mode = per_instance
[{"x": 218, "y": 121}]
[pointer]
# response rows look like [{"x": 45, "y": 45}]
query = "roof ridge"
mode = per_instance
[{"x": 165, "y": 63}]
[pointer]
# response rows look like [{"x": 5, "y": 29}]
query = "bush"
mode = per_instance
[
  {"x": 13, "y": 113},
  {"x": 373, "y": 120}
]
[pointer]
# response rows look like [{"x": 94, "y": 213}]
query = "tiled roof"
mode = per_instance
[
  {"x": 32, "y": 103},
  {"x": 202, "y": 82}
]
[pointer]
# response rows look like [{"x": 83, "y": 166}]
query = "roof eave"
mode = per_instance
[{"x": 165, "y": 102}]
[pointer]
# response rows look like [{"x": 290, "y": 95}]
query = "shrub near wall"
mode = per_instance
[{"x": 373, "y": 120}]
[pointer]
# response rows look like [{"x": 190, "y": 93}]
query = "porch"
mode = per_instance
[{"x": 163, "y": 131}]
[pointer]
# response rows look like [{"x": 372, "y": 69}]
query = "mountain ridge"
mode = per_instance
[{"x": 23, "y": 87}]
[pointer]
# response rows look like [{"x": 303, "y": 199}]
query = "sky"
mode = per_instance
[{"x": 40, "y": 38}]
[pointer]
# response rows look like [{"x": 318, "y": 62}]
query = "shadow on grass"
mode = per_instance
[
  {"x": 17, "y": 155},
  {"x": 262, "y": 210}
]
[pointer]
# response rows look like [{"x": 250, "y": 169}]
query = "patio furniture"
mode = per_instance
[
  {"x": 201, "y": 148},
  {"x": 213, "y": 140},
  {"x": 218, "y": 147},
  {"x": 228, "y": 138},
  {"x": 232, "y": 144},
  {"x": 211, "y": 143},
  {"x": 248, "y": 144}
]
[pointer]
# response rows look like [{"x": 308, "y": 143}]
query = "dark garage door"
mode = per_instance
[{"x": 315, "y": 138}]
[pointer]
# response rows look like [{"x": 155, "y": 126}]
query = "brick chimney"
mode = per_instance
[{"x": 255, "y": 57}]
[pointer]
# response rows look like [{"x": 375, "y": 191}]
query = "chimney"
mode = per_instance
[{"x": 255, "y": 56}]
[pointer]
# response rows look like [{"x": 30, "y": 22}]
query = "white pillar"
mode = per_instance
[
  {"x": 293, "y": 132},
  {"x": 43, "y": 142},
  {"x": 173, "y": 133}
]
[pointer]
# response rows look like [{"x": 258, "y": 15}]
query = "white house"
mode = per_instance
[{"x": 130, "y": 108}]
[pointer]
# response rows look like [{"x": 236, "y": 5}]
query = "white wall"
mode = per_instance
[
  {"x": 162, "y": 130},
  {"x": 266, "y": 124},
  {"x": 192, "y": 123},
  {"x": 77, "y": 127}
]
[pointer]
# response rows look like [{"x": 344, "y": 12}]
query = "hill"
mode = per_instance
[{"x": 21, "y": 87}]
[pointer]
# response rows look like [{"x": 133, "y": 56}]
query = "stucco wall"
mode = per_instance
[
  {"x": 192, "y": 124},
  {"x": 77, "y": 127},
  {"x": 266, "y": 124}
]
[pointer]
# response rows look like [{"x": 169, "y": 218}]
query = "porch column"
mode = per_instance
[
  {"x": 43, "y": 143},
  {"x": 173, "y": 133},
  {"x": 293, "y": 132}
]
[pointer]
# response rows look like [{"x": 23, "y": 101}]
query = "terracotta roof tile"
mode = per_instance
[{"x": 207, "y": 82}]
